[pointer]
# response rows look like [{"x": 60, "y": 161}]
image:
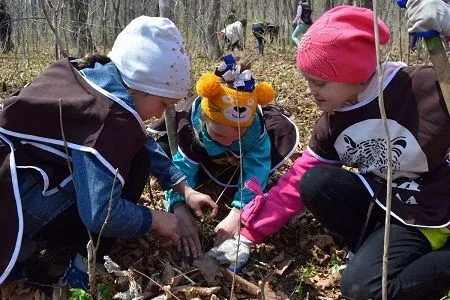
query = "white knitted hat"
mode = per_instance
[{"x": 151, "y": 58}]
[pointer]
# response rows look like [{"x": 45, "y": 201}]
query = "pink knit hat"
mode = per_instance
[{"x": 340, "y": 45}]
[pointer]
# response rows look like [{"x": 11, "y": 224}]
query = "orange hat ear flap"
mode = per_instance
[
  {"x": 208, "y": 85},
  {"x": 264, "y": 93}
]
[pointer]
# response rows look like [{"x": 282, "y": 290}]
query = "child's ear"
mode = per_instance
[
  {"x": 264, "y": 93},
  {"x": 208, "y": 85}
]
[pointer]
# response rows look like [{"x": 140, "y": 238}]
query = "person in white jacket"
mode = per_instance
[{"x": 234, "y": 35}]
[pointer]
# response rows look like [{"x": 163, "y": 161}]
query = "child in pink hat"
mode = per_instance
[{"x": 338, "y": 60}]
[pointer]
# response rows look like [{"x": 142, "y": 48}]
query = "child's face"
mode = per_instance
[
  {"x": 148, "y": 105},
  {"x": 223, "y": 134},
  {"x": 329, "y": 95}
]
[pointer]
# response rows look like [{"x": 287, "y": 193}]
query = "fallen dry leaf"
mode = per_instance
[
  {"x": 269, "y": 293},
  {"x": 319, "y": 255},
  {"x": 283, "y": 265},
  {"x": 278, "y": 258},
  {"x": 322, "y": 240},
  {"x": 208, "y": 266},
  {"x": 168, "y": 274},
  {"x": 193, "y": 291}
]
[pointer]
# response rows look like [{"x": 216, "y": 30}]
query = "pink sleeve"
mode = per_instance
[{"x": 267, "y": 213}]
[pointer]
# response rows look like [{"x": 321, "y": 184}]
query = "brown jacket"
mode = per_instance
[
  {"x": 419, "y": 126},
  {"x": 31, "y": 134}
]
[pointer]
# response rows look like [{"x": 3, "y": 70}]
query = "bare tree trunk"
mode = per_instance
[
  {"x": 213, "y": 50},
  {"x": 60, "y": 48},
  {"x": 116, "y": 6},
  {"x": 166, "y": 11},
  {"x": 201, "y": 18},
  {"x": 265, "y": 10},
  {"x": 186, "y": 20},
  {"x": 400, "y": 33},
  {"x": 104, "y": 26},
  {"x": 83, "y": 38},
  {"x": 246, "y": 18},
  {"x": 367, "y": 4}
]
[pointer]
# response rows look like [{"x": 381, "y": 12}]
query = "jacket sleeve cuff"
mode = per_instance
[
  {"x": 147, "y": 221},
  {"x": 237, "y": 204},
  {"x": 171, "y": 177},
  {"x": 247, "y": 196},
  {"x": 251, "y": 235},
  {"x": 173, "y": 200}
]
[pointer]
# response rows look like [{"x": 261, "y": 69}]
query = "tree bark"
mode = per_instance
[
  {"x": 213, "y": 49},
  {"x": 60, "y": 48},
  {"x": 367, "y": 4},
  {"x": 166, "y": 11},
  {"x": 84, "y": 39},
  {"x": 116, "y": 6},
  {"x": 246, "y": 17}
]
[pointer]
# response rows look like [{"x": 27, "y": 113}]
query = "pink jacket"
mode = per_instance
[{"x": 267, "y": 213}]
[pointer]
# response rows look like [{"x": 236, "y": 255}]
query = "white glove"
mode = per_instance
[
  {"x": 427, "y": 15},
  {"x": 225, "y": 253}
]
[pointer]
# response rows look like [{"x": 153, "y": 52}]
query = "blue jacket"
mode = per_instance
[{"x": 256, "y": 159}]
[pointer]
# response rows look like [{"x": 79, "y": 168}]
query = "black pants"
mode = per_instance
[
  {"x": 260, "y": 38},
  {"x": 339, "y": 200},
  {"x": 75, "y": 233}
]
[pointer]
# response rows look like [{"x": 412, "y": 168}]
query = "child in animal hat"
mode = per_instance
[
  {"x": 337, "y": 57},
  {"x": 73, "y": 141},
  {"x": 226, "y": 137}
]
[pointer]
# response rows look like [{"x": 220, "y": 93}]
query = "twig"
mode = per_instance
[
  {"x": 92, "y": 259},
  {"x": 184, "y": 274},
  {"x": 244, "y": 284},
  {"x": 160, "y": 286},
  {"x": 263, "y": 283},
  {"x": 179, "y": 271},
  {"x": 223, "y": 191},
  {"x": 61, "y": 125},
  {"x": 109, "y": 210},
  {"x": 387, "y": 223},
  {"x": 91, "y": 250},
  {"x": 241, "y": 202}
]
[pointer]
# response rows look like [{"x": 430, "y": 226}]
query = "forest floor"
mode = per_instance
[{"x": 301, "y": 261}]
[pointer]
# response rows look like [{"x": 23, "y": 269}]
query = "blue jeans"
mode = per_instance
[{"x": 340, "y": 201}]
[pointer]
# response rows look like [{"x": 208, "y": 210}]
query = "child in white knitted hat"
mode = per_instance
[{"x": 103, "y": 103}]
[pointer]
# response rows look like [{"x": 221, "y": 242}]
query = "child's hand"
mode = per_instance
[
  {"x": 228, "y": 227},
  {"x": 165, "y": 224},
  {"x": 188, "y": 232},
  {"x": 196, "y": 201},
  {"x": 426, "y": 16}
]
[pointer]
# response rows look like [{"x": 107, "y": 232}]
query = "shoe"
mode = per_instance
[{"x": 75, "y": 278}]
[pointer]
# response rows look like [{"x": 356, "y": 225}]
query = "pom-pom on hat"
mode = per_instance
[
  {"x": 233, "y": 106},
  {"x": 151, "y": 58},
  {"x": 340, "y": 45}
]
